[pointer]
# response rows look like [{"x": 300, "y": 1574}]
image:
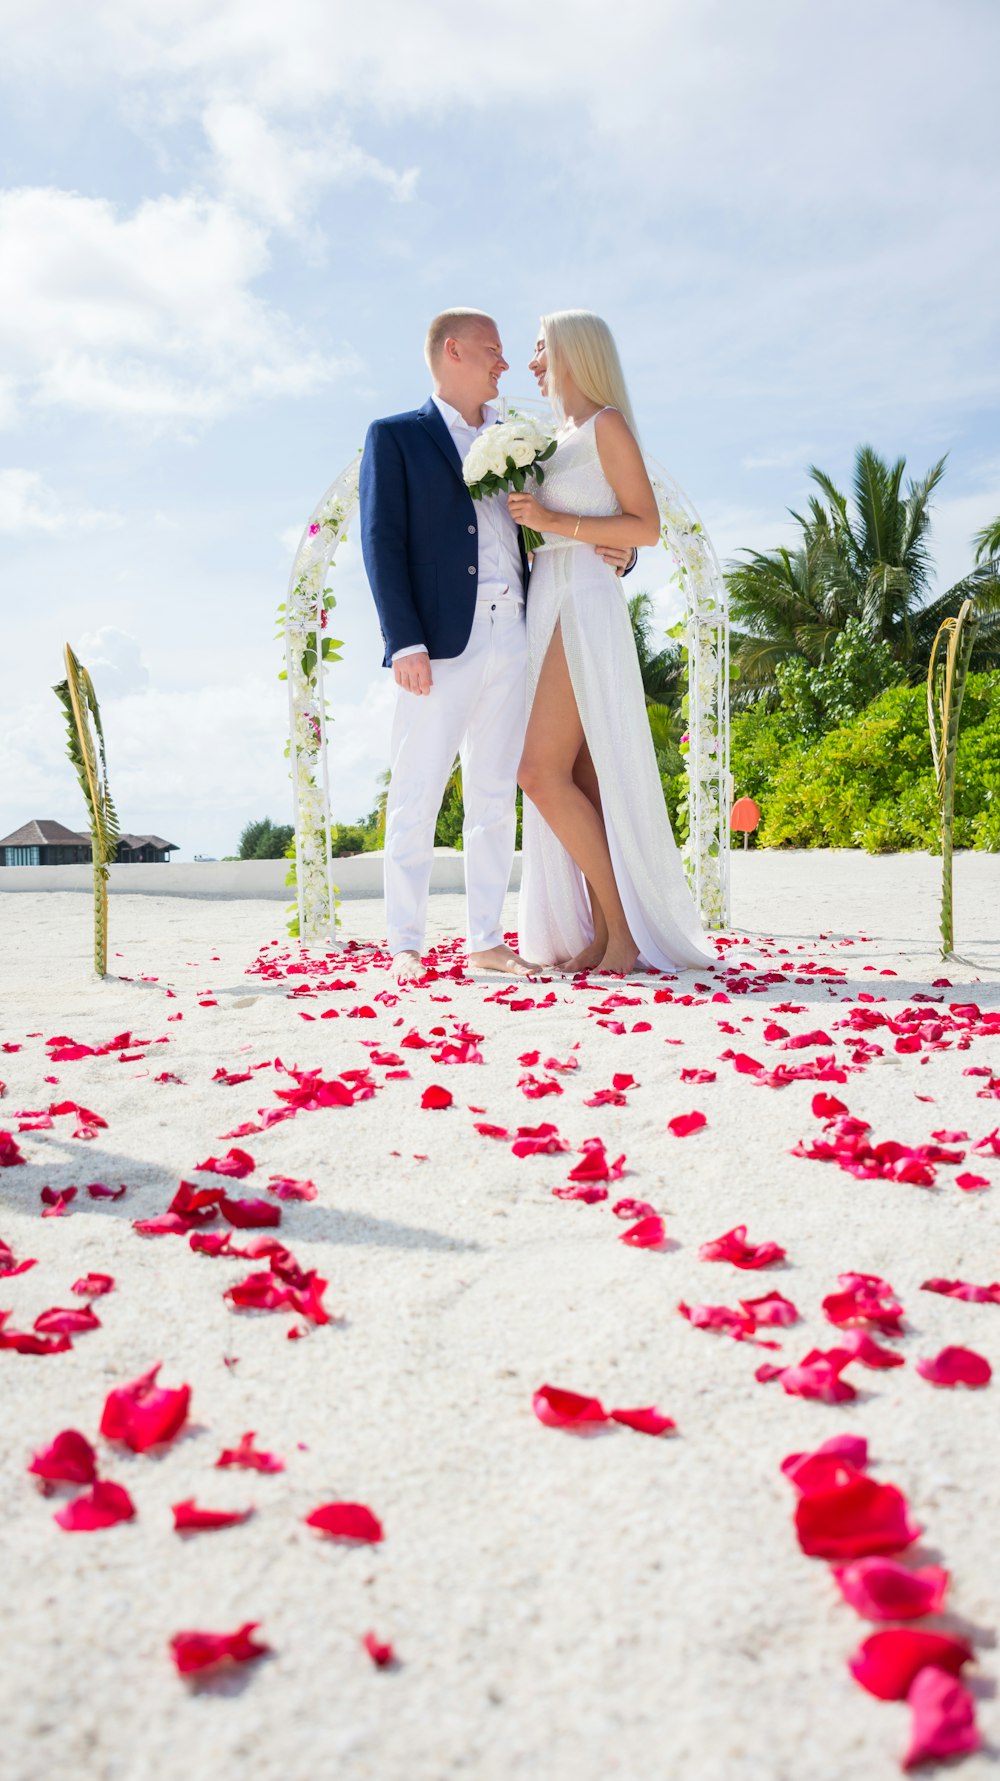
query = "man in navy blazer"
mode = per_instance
[{"x": 449, "y": 577}]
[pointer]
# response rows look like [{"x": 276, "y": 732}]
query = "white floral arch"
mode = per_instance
[{"x": 309, "y": 651}]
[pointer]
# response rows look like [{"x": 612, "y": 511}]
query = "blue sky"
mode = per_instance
[{"x": 224, "y": 226}]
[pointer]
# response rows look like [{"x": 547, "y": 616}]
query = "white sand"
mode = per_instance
[{"x": 561, "y": 1607}]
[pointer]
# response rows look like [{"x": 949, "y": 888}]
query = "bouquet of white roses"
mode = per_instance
[{"x": 503, "y": 457}]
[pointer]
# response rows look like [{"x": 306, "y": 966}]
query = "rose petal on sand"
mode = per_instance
[
  {"x": 559, "y": 1409},
  {"x": 143, "y": 1414},
  {"x": 189, "y": 1519},
  {"x": 236, "y": 1163},
  {"x": 10, "y": 1155},
  {"x": 881, "y": 1589},
  {"x": 771, "y": 1308},
  {"x": 57, "y": 1204},
  {"x": 970, "y": 1183},
  {"x": 103, "y": 1505},
  {"x": 853, "y": 1518},
  {"x": 436, "y": 1097},
  {"x": 252, "y": 1458},
  {"x": 649, "y": 1233},
  {"x": 863, "y": 1347},
  {"x": 683, "y": 1125},
  {"x": 962, "y": 1289},
  {"x": 93, "y": 1285},
  {"x": 822, "y": 1467},
  {"x": 29, "y": 1342},
  {"x": 381, "y": 1654},
  {"x": 285, "y": 1187},
  {"x": 886, "y": 1663},
  {"x": 9, "y": 1265},
  {"x": 69, "y": 1459},
  {"x": 195, "y": 1652},
  {"x": 249, "y": 1215},
  {"x": 649, "y": 1421},
  {"x": 346, "y": 1521},
  {"x": 733, "y": 1247},
  {"x": 738, "y": 1324},
  {"x": 491, "y": 1131},
  {"x": 943, "y": 1720},
  {"x": 629, "y": 1208},
  {"x": 72, "y": 1320},
  {"x": 956, "y": 1366},
  {"x": 818, "y": 1375}
]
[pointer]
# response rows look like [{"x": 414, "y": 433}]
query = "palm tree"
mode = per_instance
[
  {"x": 865, "y": 557},
  {"x": 662, "y": 672},
  {"x": 987, "y": 543}
]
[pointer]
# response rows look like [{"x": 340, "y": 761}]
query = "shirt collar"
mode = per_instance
[{"x": 453, "y": 420}]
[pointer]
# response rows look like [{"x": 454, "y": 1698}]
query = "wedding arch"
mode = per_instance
[{"x": 310, "y": 651}]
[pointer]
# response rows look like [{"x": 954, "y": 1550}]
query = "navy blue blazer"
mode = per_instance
[{"x": 419, "y": 534}]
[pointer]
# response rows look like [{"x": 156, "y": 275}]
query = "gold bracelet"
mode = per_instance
[{"x": 576, "y": 528}]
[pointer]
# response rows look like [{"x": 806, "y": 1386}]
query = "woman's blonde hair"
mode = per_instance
[{"x": 580, "y": 343}]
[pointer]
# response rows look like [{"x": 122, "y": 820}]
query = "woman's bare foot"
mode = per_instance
[
  {"x": 621, "y": 957},
  {"x": 502, "y": 959},
  {"x": 587, "y": 960},
  {"x": 407, "y": 967}
]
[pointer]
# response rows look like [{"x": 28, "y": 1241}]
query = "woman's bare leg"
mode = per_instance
[
  {"x": 585, "y": 776},
  {"x": 546, "y": 776}
]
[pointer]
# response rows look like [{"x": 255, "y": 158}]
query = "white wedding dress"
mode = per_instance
[{"x": 572, "y": 586}]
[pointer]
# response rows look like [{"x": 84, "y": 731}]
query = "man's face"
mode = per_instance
[
  {"x": 538, "y": 365},
  {"x": 480, "y": 356}
]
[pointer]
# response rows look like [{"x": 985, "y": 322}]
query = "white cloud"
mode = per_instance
[
  {"x": 148, "y": 313},
  {"x": 954, "y": 521},
  {"x": 113, "y": 659},
  {"x": 193, "y": 763},
  {"x": 27, "y": 504},
  {"x": 268, "y": 171}
]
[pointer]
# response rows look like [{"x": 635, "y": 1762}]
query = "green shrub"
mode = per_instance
[{"x": 869, "y": 783}]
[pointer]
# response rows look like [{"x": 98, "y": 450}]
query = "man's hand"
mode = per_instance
[
  {"x": 618, "y": 560},
  {"x": 413, "y": 673}
]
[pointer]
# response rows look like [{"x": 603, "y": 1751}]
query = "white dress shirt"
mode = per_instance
[{"x": 500, "y": 576}]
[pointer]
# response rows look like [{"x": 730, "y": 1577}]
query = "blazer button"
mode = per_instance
[
  {"x": 472, "y": 528},
  {"x": 472, "y": 568}
]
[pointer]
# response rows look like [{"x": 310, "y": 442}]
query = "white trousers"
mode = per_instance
[{"x": 476, "y": 708}]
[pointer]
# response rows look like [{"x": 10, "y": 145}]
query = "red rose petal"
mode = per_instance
[
  {"x": 69, "y": 1459},
  {"x": 189, "y": 1519},
  {"x": 560, "y": 1409},
  {"x": 195, "y": 1652},
  {"x": 10, "y": 1156},
  {"x": 253, "y": 1459},
  {"x": 738, "y": 1324},
  {"x": 684, "y": 1124},
  {"x": 382, "y": 1655},
  {"x": 956, "y": 1366},
  {"x": 881, "y": 1589},
  {"x": 886, "y": 1663},
  {"x": 944, "y": 1718},
  {"x": 733, "y": 1247},
  {"x": 649, "y": 1233},
  {"x": 771, "y": 1308},
  {"x": 346, "y": 1521},
  {"x": 249, "y": 1215},
  {"x": 143, "y": 1414},
  {"x": 103, "y": 1505},
  {"x": 963, "y": 1289},
  {"x": 853, "y": 1519},
  {"x": 649, "y": 1421},
  {"x": 93, "y": 1285},
  {"x": 72, "y": 1320},
  {"x": 970, "y": 1183},
  {"x": 436, "y": 1097},
  {"x": 236, "y": 1163},
  {"x": 285, "y": 1187}
]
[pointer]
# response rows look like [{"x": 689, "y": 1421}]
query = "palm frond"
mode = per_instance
[{"x": 987, "y": 541}]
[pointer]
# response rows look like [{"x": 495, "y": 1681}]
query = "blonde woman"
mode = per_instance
[{"x": 603, "y": 887}]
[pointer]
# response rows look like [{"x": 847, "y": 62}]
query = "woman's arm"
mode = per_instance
[{"x": 621, "y": 460}]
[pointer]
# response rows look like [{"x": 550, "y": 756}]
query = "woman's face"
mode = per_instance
[{"x": 538, "y": 364}]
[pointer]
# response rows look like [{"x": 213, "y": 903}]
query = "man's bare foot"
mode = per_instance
[
  {"x": 621, "y": 956},
  {"x": 407, "y": 967},
  {"x": 587, "y": 960},
  {"x": 501, "y": 958}
]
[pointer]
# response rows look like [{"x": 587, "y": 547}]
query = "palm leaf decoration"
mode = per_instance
[
  {"x": 946, "y": 677},
  {"x": 77, "y": 696}
]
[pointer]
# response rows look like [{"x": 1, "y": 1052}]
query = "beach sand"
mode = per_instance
[{"x": 561, "y": 1605}]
